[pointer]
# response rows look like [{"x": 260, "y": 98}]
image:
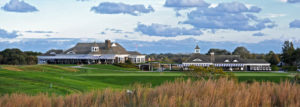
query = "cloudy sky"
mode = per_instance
[{"x": 150, "y": 26}]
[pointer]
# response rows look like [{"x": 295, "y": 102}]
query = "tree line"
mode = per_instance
[
  {"x": 18, "y": 57},
  {"x": 290, "y": 56}
]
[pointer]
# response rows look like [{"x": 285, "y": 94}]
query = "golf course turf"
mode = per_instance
[{"x": 67, "y": 79}]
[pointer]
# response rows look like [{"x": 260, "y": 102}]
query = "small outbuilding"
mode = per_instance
[{"x": 227, "y": 62}]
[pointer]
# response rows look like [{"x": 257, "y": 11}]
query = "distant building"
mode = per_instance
[
  {"x": 227, "y": 62},
  {"x": 92, "y": 53}
]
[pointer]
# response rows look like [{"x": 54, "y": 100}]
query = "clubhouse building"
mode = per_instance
[
  {"x": 227, "y": 62},
  {"x": 91, "y": 53}
]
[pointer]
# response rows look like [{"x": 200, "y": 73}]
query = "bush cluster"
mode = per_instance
[
  {"x": 17, "y": 57},
  {"x": 275, "y": 68},
  {"x": 210, "y": 72},
  {"x": 289, "y": 68},
  {"x": 127, "y": 64}
]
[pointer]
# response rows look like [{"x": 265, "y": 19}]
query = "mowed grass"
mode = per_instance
[{"x": 62, "y": 79}]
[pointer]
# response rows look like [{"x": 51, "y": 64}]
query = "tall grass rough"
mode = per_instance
[{"x": 181, "y": 93}]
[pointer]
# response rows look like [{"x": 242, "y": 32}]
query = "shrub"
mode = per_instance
[
  {"x": 126, "y": 65},
  {"x": 18, "y": 57},
  {"x": 289, "y": 68},
  {"x": 207, "y": 72},
  {"x": 275, "y": 68}
]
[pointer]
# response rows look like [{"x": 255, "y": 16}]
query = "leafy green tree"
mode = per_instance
[
  {"x": 30, "y": 53},
  {"x": 1, "y": 58},
  {"x": 206, "y": 72},
  {"x": 296, "y": 56},
  {"x": 242, "y": 51},
  {"x": 17, "y": 57},
  {"x": 31, "y": 60},
  {"x": 251, "y": 56},
  {"x": 128, "y": 62},
  {"x": 272, "y": 58},
  {"x": 287, "y": 53},
  {"x": 169, "y": 58},
  {"x": 166, "y": 60},
  {"x": 218, "y": 52}
]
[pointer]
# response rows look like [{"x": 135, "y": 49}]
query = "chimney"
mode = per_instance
[
  {"x": 107, "y": 44},
  {"x": 212, "y": 56}
]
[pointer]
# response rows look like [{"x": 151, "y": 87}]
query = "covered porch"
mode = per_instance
[
  {"x": 224, "y": 66},
  {"x": 87, "y": 59}
]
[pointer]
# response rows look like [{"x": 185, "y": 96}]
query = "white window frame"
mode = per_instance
[
  {"x": 235, "y": 60},
  {"x": 71, "y": 52},
  {"x": 227, "y": 60},
  {"x": 114, "y": 45}
]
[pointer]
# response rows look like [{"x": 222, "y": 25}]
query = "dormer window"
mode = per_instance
[
  {"x": 114, "y": 45},
  {"x": 95, "y": 49},
  {"x": 235, "y": 60},
  {"x": 71, "y": 52},
  {"x": 52, "y": 53},
  {"x": 199, "y": 60},
  {"x": 226, "y": 60}
]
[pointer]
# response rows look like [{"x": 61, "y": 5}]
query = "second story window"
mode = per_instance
[{"x": 226, "y": 60}]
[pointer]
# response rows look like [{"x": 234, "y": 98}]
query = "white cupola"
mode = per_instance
[{"x": 197, "y": 49}]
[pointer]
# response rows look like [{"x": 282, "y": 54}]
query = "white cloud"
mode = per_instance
[
  {"x": 213, "y": 5},
  {"x": 274, "y": 15}
]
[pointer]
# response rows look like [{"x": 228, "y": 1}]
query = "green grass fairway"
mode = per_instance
[{"x": 62, "y": 79}]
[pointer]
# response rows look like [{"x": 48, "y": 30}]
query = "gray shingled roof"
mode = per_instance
[
  {"x": 85, "y": 48},
  {"x": 95, "y": 45},
  {"x": 134, "y": 53},
  {"x": 231, "y": 58},
  {"x": 255, "y": 61},
  {"x": 118, "y": 49},
  {"x": 221, "y": 59},
  {"x": 56, "y": 51},
  {"x": 204, "y": 58}
]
